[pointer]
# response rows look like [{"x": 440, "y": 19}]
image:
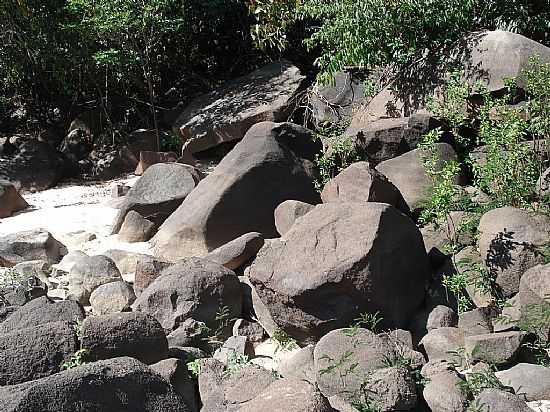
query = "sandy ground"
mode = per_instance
[
  {"x": 70, "y": 210},
  {"x": 540, "y": 406}
]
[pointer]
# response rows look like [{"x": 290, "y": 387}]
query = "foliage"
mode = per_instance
[
  {"x": 283, "y": 340},
  {"x": 339, "y": 152},
  {"x": 365, "y": 320},
  {"x": 476, "y": 382},
  {"x": 273, "y": 20},
  {"x": 535, "y": 319},
  {"x": 456, "y": 284},
  {"x": 235, "y": 362},
  {"x": 443, "y": 191},
  {"x": 77, "y": 359},
  {"x": 215, "y": 336},
  {"x": 509, "y": 171},
  {"x": 115, "y": 55},
  {"x": 398, "y": 33},
  {"x": 194, "y": 368}
]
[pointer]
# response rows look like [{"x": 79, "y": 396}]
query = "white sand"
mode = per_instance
[
  {"x": 540, "y": 406},
  {"x": 71, "y": 208}
]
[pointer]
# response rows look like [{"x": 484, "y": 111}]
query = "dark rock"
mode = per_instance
[
  {"x": 35, "y": 352},
  {"x": 490, "y": 57},
  {"x": 300, "y": 366},
  {"x": 476, "y": 322},
  {"x": 252, "y": 330},
  {"x": 147, "y": 270},
  {"x": 494, "y": 348},
  {"x": 443, "y": 343},
  {"x": 408, "y": 174},
  {"x": 335, "y": 103},
  {"x": 385, "y": 139},
  {"x": 149, "y": 198},
  {"x": 10, "y": 199},
  {"x": 270, "y": 165},
  {"x": 189, "y": 333},
  {"x": 534, "y": 289},
  {"x": 530, "y": 382},
  {"x": 88, "y": 273},
  {"x": 125, "y": 261},
  {"x": 148, "y": 159},
  {"x": 192, "y": 288},
  {"x": 41, "y": 311},
  {"x": 175, "y": 372},
  {"x": 30, "y": 245},
  {"x": 286, "y": 395},
  {"x": 236, "y": 253},
  {"x": 35, "y": 166},
  {"x": 391, "y": 389},
  {"x": 136, "y": 335},
  {"x": 440, "y": 317},
  {"x": 322, "y": 275},
  {"x": 222, "y": 392},
  {"x": 136, "y": 228},
  {"x": 362, "y": 351},
  {"x": 361, "y": 183},
  {"x": 108, "y": 163},
  {"x": 443, "y": 393},
  {"x": 114, "y": 385},
  {"x": 495, "y": 400}
]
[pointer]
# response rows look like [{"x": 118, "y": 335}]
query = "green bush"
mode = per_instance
[{"x": 375, "y": 33}]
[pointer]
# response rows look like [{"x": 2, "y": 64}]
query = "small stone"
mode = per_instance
[{"x": 112, "y": 298}]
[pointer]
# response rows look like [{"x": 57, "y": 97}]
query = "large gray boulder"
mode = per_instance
[
  {"x": 225, "y": 115},
  {"x": 443, "y": 393},
  {"x": 35, "y": 166},
  {"x": 119, "y": 385},
  {"x": 359, "y": 182},
  {"x": 386, "y": 138},
  {"x": 270, "y": 165},
  {"x": 137, "y": 335},
  {"x": 223, "y": 391},
  {"x": 157, "y": 193},
  {"x": 443, "y": 343},
  {"x": 534, "y": 289},
  {"x": 88, "y": 273},
  {"x": 40, "y": 311},
  {"x": 338, "y": 261},
  {"x": 286, "y": 395},
  {"x": 494, "y": 348},
  {"x": 192, "y": 288},
  {"x": 408, "y": 174},
  {"x": 496, "y": 400},
  {"x": 530, "y": 382},
  {"x": 363, "y": 352},
  {"x": 35, "y": 352},
  {"x": 10, "y": 199},
  {"x": 30, "y": 245},
  {"x": 511, "y": 241},
  {"x": 490, "y": 57}
]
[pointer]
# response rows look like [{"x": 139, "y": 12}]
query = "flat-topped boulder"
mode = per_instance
[{"x": 225, "y": 115}]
